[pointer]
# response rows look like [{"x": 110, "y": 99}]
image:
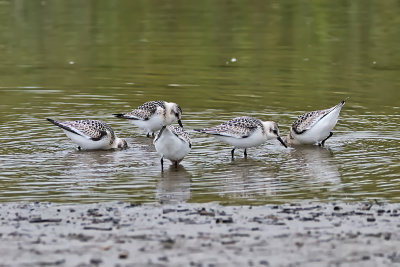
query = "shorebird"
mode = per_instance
[
  {"x": 90, "y": 134},
  {"x": 172, "y": 143},
  {"x": 244, "y": 132},
  {"x": 314, "y": 127},
  {"x": 153, "y": 115}
]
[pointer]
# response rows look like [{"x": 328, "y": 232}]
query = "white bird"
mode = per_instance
[
  {"x": 172, "y": 143},
  {"x": 314, "y": 127},
  {"x": 91, "y": 134},
  {"x": 244, "y": 132},
  {"x": 153, "y": 115}
]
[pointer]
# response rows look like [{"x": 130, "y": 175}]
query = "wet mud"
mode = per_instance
[{"x": 125, "y": 234}]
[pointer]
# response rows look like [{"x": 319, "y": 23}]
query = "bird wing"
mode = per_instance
[
  {"x": 180, "y": 133},
  {"x": 143, "y": 112},
  {"x": 240, "y": 127},
  {"x": 91, "y": 129},
  {"x": 307, "y": 120}
]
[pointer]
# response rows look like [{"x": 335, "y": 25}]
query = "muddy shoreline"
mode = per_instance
[{"x": 124, "y": 234}]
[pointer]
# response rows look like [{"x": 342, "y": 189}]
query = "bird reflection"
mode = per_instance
[
  {"x": 316, "y": 163},
  {"x": 247, "y": 178},
  {"x": 174, "y": 185}
]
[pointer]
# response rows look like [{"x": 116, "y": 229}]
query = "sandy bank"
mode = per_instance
[{"x": 121, "y": 234}]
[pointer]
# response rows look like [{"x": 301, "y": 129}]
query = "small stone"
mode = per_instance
[
  {"x": 220, "y": 220},
  {"x": 387, "y": 236},
  {"x": 380, "y": 211},
  {"x": 299, "y": 244},
  {"x": 123, "y": 254},
  {"x": 371, "y": 219},
  {"x": 96, "y": 261},
  {"x": 163, "y": 258}
]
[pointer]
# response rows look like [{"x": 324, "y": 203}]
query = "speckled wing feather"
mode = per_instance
[
  {"x": 307, "y": 120},
  {"x": 180, "y": 133},
  {"x": 240, "y": 127},
  {"x": 143, "y": 112},
  {"x": 91, "y": 129}
]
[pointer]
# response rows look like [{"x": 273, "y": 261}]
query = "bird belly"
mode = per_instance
[
  {"x": 253, "y": 140},
  {"x": 152, "y": 125},
  {"x": 86, "y": 143},
  {"x": 171, "y": 147},
  {"x": 319, "y": 131}
]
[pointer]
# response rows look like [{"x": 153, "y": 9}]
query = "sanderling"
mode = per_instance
[
  {"x": 153, "y": 115},
  {"x": 244, "y": 132},
  {"x": 314, "y": 127},
  {"x": 91, "y": 134},
  {"x": 172, "y": 143}
]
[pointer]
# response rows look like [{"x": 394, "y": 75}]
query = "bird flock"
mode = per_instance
[{"x": 174, "y": 143}]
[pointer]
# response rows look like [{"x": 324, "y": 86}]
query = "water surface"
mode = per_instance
[{"x": 272, "y": 60}]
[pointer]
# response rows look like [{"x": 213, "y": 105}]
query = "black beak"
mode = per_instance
[
  {"x": 180, "y": 123},
  {"x": 282, "y": 142}
]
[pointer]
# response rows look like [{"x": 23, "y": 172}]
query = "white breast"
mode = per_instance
[{"x": 171, "y": 147}]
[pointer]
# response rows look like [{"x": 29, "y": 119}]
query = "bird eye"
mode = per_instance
[{"x": 275, "y": 131}]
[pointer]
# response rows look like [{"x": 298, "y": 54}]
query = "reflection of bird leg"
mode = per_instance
[
  {"x": 323, "y": 141},
  {"x": 245, "y": 153},
  {"x": 233, "y": 153}
]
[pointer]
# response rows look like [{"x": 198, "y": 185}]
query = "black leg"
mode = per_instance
[
  {"x": 79, "y": 148},
  {"x": 323, "y": 141},
  {"x": 233, "y": 153},
  {"x": 148, "y": 135},
  {"x": 162, "y": 164},
  {"x": 152, "y": 134},
  {"x": 245, "y": 153},
  {"x": 176, "y": 165}
]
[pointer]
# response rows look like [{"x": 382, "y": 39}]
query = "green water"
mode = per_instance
[{"x": 217, "y": 59}]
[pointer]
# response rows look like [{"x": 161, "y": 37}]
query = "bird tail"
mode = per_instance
[
  {"x": 344, "y": 100},
  {"x": 119, "y": 115},
  {"x": 51, "y": 120}
]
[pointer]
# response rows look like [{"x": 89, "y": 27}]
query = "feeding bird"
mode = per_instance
[
  {"x": 173, "y": 143},
  {"x": 314, "y": 127},
  {"x": 90, "y": 134},
  {"x": 244, "y": 132},
  {"x": 153, "y": 115}
]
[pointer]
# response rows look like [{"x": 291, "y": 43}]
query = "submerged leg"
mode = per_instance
[
  {"x": 233, "y": 153},
  {"x": 323, "y": 141},
  {"x": 245, "y": 153}
]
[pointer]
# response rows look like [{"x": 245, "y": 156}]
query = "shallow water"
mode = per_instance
[{"x": 73, "y": 60}]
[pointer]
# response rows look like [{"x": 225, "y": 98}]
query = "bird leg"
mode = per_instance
[
  {"x": 79, "y": 148},
  {"x": 233, "y": 153},
  {"x": 245, "y": 153},
  {"x": 148, "y": 135},
  {"x": 176, "y": 164},
  {"x": 162, "y": 163},
  {"x": 323, "y": 141}
]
